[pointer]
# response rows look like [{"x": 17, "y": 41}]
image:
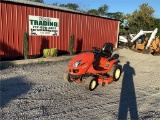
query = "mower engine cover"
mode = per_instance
[{"x": 78, "y": 65}]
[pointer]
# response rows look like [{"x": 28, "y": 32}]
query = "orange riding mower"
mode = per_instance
[{"x": 94, "y": 68}]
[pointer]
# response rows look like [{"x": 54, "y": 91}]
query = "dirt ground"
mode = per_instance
[{"x": 38, "y": 91}]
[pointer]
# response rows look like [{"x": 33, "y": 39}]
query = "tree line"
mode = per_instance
[{"x": 143, "y": 18}]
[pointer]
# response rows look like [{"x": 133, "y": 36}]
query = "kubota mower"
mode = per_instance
[{"x": 94, "y": 68}]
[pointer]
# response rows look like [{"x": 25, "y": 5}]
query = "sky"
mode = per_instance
[{"x": 124, "y": 6}]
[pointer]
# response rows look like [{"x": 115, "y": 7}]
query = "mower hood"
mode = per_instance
[{"x": 83, "y": 58}]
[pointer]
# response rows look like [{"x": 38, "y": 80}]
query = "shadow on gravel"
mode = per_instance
[
  {"x": 5, "y": 65},
  {"x": 12, "y": 88},
  {"x": 128, "y": 96}
]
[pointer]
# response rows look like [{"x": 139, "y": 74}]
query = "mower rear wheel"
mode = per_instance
[
  {"x": 67, "y": 78},
  {"x": 91, "y": 83},
  {"x": 117, "y": 72}
]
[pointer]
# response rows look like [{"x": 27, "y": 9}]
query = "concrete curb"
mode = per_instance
[{"x": 38, "y": 60}]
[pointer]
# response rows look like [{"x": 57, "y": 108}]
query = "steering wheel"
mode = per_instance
[{"x": 96, "y": 49}]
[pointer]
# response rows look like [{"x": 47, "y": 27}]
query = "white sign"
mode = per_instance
[{"x": 43, "y": 26}]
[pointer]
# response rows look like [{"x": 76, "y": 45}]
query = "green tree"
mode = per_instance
[
  {"x": 103, "y": 10},
  {"x": 62, "y": 5},
  {"x": 116, "y": 15},
  {"x": 157, "y": 25},
  {"x": 72, "y": 6},
  {"x": 25, "y": 44},
  {"x": 93, "y": 12},
  {"x": 56, "y": 4},
  {"x": 141, "y": 19},
  {"x": 41, "y": 1}
]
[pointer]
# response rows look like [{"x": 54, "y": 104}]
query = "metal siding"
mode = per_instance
[
  {"x": 4, "y": 36},
  {"x": 14, "y": 22},
  {"x": 10, "y": 30},
  {"x": 1, "y": 31},
  {"x": 65, "y": 41},
  {"x": 61, "y": 36},
  {"x": 20, "y": 34},
  {"x": 93, "y": 31}
]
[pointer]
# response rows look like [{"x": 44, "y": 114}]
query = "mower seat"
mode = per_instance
[{"x": 107, "y": 50}]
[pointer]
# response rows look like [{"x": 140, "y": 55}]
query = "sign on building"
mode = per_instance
[{"x": 43, "y": 26}]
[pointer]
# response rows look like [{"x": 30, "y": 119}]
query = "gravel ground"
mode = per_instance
[{"x": 37, "y": 91}]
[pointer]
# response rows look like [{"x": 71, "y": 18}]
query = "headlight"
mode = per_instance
[{"x": 77, "y": 63}]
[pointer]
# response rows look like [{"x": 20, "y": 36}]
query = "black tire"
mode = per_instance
[
  {"x": 117, "y": 72},
  {"x": 113, "y": 71},
  {"x": 91, "y": 83},
  {"x": 67, "y": 78}
]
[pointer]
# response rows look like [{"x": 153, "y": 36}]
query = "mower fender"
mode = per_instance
[{"x": 112, "y": 62}]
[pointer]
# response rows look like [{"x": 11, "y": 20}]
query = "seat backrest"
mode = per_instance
[{"x": 107, "y": 48}]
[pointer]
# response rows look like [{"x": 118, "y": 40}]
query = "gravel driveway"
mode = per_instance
[{"x": 38, "y": 92}]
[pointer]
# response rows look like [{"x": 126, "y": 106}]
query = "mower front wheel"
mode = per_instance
[
  {"x": 91, "y": 83},
  {"x": 67, "y": 78}
]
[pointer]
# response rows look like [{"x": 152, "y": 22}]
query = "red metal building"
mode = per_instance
[{"x": 16, "y": 17}]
